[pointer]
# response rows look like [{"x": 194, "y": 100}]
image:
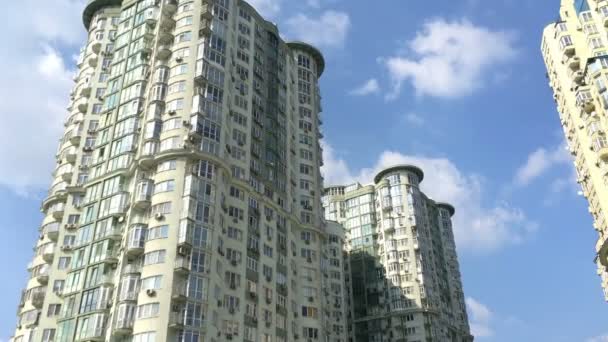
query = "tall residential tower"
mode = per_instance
[
  {"x": 575, "y": 50},
  {"x": 401, "y": 267},
  {"x": 185, "y": 203}
]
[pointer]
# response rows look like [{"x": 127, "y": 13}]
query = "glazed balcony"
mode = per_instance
[
  {"x": 136, "y": 241},
  {"x": 51, "y": 230},
  {"x": 65, "y": 172},
  {"x": 167, "y": 23},
  {"x": 180, "y": 291},
  {"x": 164, "y": 51},
  {"x": 176, "y": 319},
  {"x": 48, "y": 252},
  {"x": 42, "y": 277},
  {"x": 169, "y": 7},
  {"x": 165, "y": 37},
  {"x": 57, "y": 210},
  {"x": 93, "y": 60},
  {"x": 37, "y": 297},
  {"x": 82, "y": 104},
  {"x": 125, "y": 318},
  {"x": 182, "y": 265},
  {"x": 143, "y": 194}
]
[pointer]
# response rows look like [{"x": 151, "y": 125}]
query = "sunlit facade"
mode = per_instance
[
  {"x": 575, "y": 51},
  {"x": 185, "y": 204}
]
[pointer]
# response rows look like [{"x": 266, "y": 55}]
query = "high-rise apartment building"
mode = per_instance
[
  {"x": 575, "y": 50},
  {"x": 185, "y": 204},
  {"x": 401, "y": 268}
]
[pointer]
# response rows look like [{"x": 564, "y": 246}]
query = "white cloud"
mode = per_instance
[
  {"x": 369, "y": 87},
  {"x": 414, "y": 119},
  {"x": 480, "y": 318},
  {"x": 328, "y": 30},
  {"x": 36, "y": 92},
  {"x": 449, "y": 59},
  {"x": 602, "y": 338},
  {"x": 478, "y": 226},
  {"x": 539, "y": 162},
  {"x": 267, "y": 8}
]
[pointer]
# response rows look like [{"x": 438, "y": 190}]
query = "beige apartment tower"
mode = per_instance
[
  {"x": 575, "y": 50},
  {"x": 401, "y": 266},
  {"x": 186, "y": 200}
]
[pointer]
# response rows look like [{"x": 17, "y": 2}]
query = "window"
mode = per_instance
[
  {"x": 154, "y": 257},
  {"x": 147, "y": 310},
  {"x": 153, "y": 282},
  {"x": 48, "y": 335},
  {"x": 145, "y": 337},
  {"x": 53, "y": 310},
  {"x": 166, "y": 166},
  {"x": 165, "y": 186},
  {"x": 160, "y": 232}
]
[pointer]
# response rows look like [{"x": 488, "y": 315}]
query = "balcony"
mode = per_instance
[
  {"x": 57, "y": 211},
  {"x": 184, "y": 238},
  {"x": 200, "y": 75},
  {"x": 167, "y": 23},
  {"x": 43, "y": 274},
  {"x": 96, "y": 46},
  {"x": 93, "y": 61},
  {"x": 95, "y": 330},
  {"x": 603, "y": 153},
  {"x": 133, "y": 268},
  {"x": 164, "y": 51},
  {"x": 76, "y": 137},
  {"x": 82, "y": 104},
  {"x": 151, "y": 16},
  {"x": 66, "y": 172},
  {"x": 136, "y": 241},
  {"x": 86, "y": 90},
  {"x": 30, "y": 318},
  {"x": 165, "y": 38},
  {"x": 574, "y": 63},
  {"x": 169, "y": 6},
  {"x": 51, "y": 230},
  {"x": 110, "y": 256},
  {"x": 568, "y": 50},
  {"x": 577, "y": 76},
  {"x": 182, "y": 265},
  {"x": 180, "y": 291},
  {"x": 176, "y": 319},
  {"x": 70, "y": 155},
  {"x": 205, "y": 28},
  {"x": 125, "y": 319},
  {"x": 38, "y": 297},
  {"x": 143, "y": 194}
]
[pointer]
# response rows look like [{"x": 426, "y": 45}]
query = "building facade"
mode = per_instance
[
  {"x": 186, "y": 200},
  {"x": 402, "y": 270},
  {"x": 575, "y": 51}
]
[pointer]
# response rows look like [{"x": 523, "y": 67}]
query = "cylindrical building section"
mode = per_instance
[{"x": 396, "y": 239}]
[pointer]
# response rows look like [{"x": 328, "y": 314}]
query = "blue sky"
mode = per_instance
[{"x": 457, "y": 87}]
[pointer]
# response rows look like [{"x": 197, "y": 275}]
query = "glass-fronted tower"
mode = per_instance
[
  {"x": 402, "y": 269},
  {"x": 185, "y": 204}
]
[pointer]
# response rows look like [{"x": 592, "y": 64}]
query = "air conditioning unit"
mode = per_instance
[
  {"x": 172, "y": 112},
  {"x": 87, "y": 149},
  {"x": 159, "y": 216},
  {"x": 311, "y": 299},
  {"x": 307, "y": 242},
  {"x": 66, "y": 248},
  {"x": 179, "y": 59},
  {"x": 121, "y": 219},
  {"x": 183, "y": 251},
  {"x": 231, "y": 311},
  {"x": 309, "y": 260},
  {"x": 233, "y": 262},
  {"x": 151, "y": 292}
]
